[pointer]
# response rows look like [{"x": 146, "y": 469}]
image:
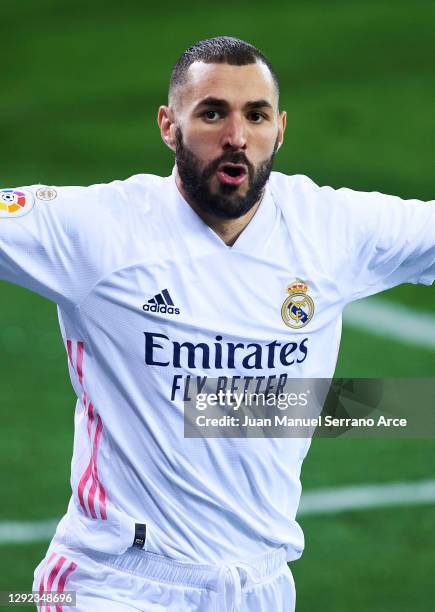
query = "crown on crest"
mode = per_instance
[{"x": 297, "y": 287}]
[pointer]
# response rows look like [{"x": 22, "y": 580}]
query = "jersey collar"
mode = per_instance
[{"x": 251, "y": 238}]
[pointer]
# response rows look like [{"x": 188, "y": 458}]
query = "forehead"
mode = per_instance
[{"x": 235, "y": 84}]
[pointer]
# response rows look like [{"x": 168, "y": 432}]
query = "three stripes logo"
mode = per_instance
[
  {"x": 55, "y": 573},
  {"x": 90, "y": 490},
  {"x": 162, "y": 303}
]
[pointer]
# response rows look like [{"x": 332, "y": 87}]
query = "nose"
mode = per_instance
[{"x": 234, "y": 134}]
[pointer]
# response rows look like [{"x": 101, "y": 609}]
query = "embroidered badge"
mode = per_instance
[
  {"x": 46, "y": 194},
  {"x": 15, "y": 202},
  {"x": 298, "y": 308}
]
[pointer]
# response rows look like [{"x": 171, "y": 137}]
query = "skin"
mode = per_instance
[{"x": 210, "y": 131}]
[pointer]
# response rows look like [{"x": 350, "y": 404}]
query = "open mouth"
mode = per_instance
[{"x": 232, "y": 174}]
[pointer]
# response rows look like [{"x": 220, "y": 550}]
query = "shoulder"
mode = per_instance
[
  {"x": 327, "y": 213},
  {"x": 116, "y": 198},
  {"x": 140, "y": 189},
  {"x": 298, "y": 189},
  {"x": 298, "y": 194},
  {"x": 136, "y": 199},
  {"x": 292, "y": 186},
  {"x": 138, "y": 185},
  {"x": 83, "y": 213},
  {"x": 285, "y": 184}
]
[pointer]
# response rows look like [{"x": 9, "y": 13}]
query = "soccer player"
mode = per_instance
[{"x": 221, "y": 271}]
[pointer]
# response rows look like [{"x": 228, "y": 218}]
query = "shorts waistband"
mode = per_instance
[{"x": 149, "y": 565}]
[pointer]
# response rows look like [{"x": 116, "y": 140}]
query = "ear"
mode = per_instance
[
  {"x": 165, "y": 120},
  {"x": 282, "y": 122}
]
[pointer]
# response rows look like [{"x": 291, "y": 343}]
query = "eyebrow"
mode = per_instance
[{"x": 219, "y": 103}]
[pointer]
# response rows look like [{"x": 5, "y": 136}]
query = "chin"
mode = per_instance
[{"x": 227, "y": 190}]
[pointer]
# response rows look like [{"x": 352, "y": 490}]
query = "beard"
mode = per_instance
[{"x": 226, "y": 203}]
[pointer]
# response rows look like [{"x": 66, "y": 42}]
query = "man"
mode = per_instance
[{"x": 224, "y": 271}]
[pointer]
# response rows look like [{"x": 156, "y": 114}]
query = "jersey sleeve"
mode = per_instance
[
  {"x": 51, "y": 240},
  {"x": 380, "y": 241}
]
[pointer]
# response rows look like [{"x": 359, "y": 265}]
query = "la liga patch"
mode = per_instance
[{"x": 15, "y": 202}]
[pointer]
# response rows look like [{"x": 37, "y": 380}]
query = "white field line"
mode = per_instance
[
  {"x": 16, "y": 532},
  {"x": 392, "y": 320},
  {"x": 361, "y": 497},
  {"x": 318, "y": 502}
]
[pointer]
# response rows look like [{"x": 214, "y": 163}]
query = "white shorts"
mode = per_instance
[{"x": 142, "y": 581}]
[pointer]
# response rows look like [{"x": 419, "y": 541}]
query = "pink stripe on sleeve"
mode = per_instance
[
  {"x": 88, "y": 472},
  {"x": 85, "y": 401},
  {"x": 41, "y": 584},
  {"x": 69, "y": 349},
  {"x": 93, "y": 488},
  {"x": 102, "y": 496},
  {"x": 82, "y": 484},
  {"x": 54, "y": 572},
  {"x": 80, "y": 351},
  {"x": 90, "y": 418},
  {"x": 62, "y": 580}
]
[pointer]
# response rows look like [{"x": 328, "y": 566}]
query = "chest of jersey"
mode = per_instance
[{"x": 185, "y": 311}]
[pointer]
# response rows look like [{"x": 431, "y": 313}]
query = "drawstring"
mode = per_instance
[
  {"x": 250, "y": 570},
  {"x": 229, "y": 599}
]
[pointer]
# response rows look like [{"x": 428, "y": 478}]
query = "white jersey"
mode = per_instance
[{"x": 150, "y": 299}]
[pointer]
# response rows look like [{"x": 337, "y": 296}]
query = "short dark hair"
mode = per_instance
[{"x": 218, "y": 50}]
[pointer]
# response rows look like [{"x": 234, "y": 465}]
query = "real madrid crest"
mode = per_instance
[{"x": 298, "y": 308}]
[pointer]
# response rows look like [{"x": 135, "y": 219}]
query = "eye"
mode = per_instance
[
  {"x": 211, "y": 116},
  {"x": 256, "y": 117}
]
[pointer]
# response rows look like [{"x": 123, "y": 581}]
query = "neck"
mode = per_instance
[{"x": 227, "y": 229}]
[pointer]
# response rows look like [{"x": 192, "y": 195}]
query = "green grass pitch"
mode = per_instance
[{"x": 81, "y": 84}]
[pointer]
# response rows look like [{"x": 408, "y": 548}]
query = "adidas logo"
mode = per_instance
[{"x": 162, "y": 302}]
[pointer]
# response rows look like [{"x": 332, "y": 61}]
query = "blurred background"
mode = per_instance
[{"x": 81, "y": 86}]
